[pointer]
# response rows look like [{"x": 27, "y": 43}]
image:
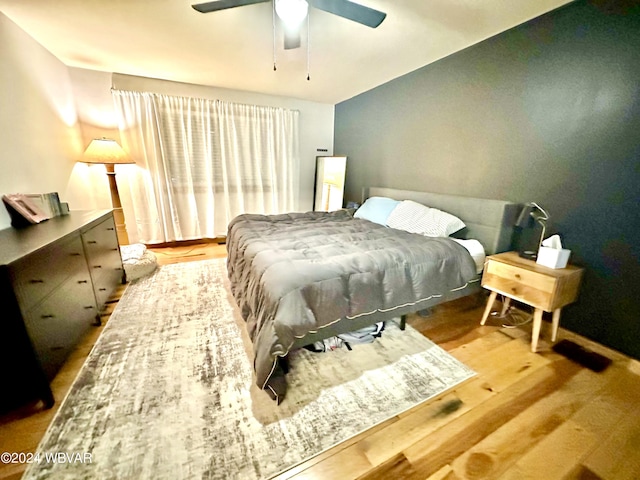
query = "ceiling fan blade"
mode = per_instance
[
  {"x": 223, "y": 4},
  {"x": 291, "y": 39},
  {"x": 350, "y": 10}
]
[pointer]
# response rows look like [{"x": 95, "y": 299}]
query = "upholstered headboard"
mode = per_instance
[{"x": 491, "y": 222}]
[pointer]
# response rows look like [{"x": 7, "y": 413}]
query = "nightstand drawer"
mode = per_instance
[
  {"x": 517, "y": 275},
  {"x": 530, "y": 287},
  {"x": 518, "y": 291}
]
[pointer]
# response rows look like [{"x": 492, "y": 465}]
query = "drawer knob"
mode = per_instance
[
  {"x": 518, "y": 276},
  {"x": 514, "y": 290},
  {"x": 110, "y": 228},
  {"x": 36, "y": 281}
]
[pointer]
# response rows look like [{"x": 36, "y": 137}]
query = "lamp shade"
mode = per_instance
[{"x": 105, "y": 150}]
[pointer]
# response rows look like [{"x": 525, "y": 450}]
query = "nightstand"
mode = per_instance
[{"x": 545, "y": 289}]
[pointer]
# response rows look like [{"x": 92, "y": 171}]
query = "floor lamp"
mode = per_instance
[{"x": 108, "y": 152}]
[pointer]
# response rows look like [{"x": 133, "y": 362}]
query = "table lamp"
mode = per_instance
[
  {"x": 532, "y": 212},
  {"x": 108, "y": 152}
]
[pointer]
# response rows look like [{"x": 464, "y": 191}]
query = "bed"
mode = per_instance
[{"x": 301, "y": 277}]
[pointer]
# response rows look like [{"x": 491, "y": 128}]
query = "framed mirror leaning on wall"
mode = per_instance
[{"x": 329, "y": 186}]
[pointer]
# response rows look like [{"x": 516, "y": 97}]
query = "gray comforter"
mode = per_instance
[{"x": 295, "y": 273}]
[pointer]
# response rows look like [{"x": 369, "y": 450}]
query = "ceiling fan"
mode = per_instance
[{"x": 293, "y": 12}]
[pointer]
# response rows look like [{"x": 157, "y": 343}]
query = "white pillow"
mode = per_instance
[{"x": 416, "y": 218}]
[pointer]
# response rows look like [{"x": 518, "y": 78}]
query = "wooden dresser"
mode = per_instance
[{"x": 55, "y": 278}]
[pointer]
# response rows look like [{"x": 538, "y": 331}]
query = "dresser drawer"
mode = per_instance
[
  {"x": 35, "y": 276},
  {"x": 107, "y": 260},
  {"x": 59, "y": 322},
  {"x": 100, "y": 239},
  {"x": 530, "y": 287},
  {"x": 104, "y": 260},
  {"x": 107, "y": 283}
]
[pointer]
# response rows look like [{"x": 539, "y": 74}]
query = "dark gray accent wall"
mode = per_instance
[{"x": 549, "y": 112}]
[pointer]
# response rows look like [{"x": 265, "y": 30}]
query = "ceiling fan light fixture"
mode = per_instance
[{"x": 292, "y": 12}]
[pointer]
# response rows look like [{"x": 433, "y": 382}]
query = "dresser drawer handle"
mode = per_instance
[
  {"x": 83, "y": 281},
  {"x": 102, "y": 289},
  {"x": 75, "y": 254},
  {"x": 97, "y": 266},
  {"x": 111, "y": 228},
  {"x": 514, "y": 290},
  {"x": 518, "y": 276},
  {"x": 115, "y": 249},
  {"x": 47, "y": 316},
  {"x": 36, "y": 281},
  {"x": 89, "y": 307},
  {"x": 92, "y": 241}
]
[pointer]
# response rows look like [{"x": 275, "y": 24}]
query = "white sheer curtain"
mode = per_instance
[{"x": 202, "y": 162}]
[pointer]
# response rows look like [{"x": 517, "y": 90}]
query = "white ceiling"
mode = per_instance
[{"x": 234, "y": 48}]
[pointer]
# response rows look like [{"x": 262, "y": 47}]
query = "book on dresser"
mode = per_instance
[{"x": 55, "y": 279}]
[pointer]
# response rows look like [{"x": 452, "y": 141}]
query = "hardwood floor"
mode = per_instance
[{"x": 524, "y": 416}]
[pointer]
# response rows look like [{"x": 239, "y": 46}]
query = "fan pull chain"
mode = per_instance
[
  {"x": 308, "y": 47},
  {"x": 273, "y": 19}
]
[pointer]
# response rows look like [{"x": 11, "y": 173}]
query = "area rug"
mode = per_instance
[{"x": 168, "y": 390}]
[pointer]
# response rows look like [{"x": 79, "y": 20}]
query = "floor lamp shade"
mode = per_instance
[
  {"x": 105, "y": 150},
  {"x": 109, "y": 153}
]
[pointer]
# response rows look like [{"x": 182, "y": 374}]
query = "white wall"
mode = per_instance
[
  {"x": 50, "y": 112},
  {"x": 39, "y": 132}
]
